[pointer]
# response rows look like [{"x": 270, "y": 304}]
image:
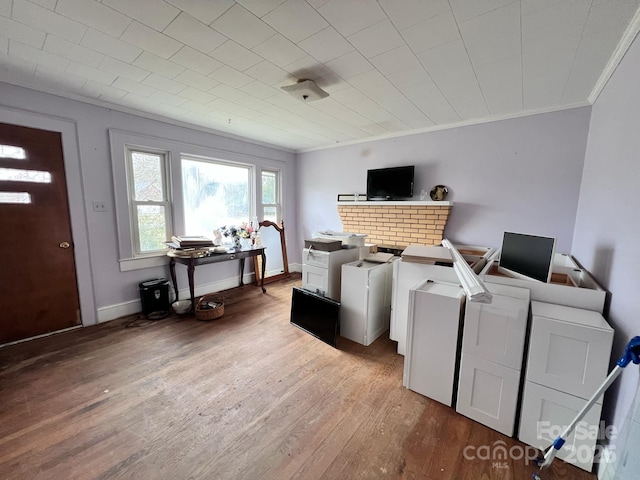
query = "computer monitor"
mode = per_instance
[{"x": 527, "y": 256}]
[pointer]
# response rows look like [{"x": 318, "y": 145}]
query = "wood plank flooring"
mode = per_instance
[{"x": 247, "y": 396}]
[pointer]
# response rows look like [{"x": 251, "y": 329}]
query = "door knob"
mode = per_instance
[{"x": 65, "y": 245}]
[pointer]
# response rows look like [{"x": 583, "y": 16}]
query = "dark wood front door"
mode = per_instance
[{"x": 38, "y": 287}]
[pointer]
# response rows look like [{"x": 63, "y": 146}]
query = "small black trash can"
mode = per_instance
[{"x": 154, "y": 295}]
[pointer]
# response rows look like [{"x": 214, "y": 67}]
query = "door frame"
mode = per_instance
[{"x": 77, "y": 209}]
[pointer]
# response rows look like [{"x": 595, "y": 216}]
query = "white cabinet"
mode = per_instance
[
  {"x": 365, "y": 300},
  {"x": 321, "y": 271},
  {"x": 492, "y": 356},
  {"x": 569, "y": 353},
  {"x": 407, "y": 275},
  {"x": 433, "y": 335}
]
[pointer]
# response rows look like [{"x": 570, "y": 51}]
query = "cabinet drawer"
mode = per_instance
[
  {"x": 496, "y": 331},
  {"x": 488, "y": 393},
  {"x": 315, "y": 279},
  {"x": 547, "y": 412},
  {"x": 315, "y": 258},
  {"x": 568, "y": 357}
]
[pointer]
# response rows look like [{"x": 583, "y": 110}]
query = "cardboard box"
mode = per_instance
[{"x": 323, "y": 244}]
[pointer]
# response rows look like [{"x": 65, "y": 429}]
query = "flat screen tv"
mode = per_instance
[
  {"x": 393, "y": 183},
  {"x": 316, "y": 315},
  {"x": 527, "y": 256}
]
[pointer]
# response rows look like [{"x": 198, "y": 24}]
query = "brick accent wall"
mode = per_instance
[{"x": 396, "y": 225}]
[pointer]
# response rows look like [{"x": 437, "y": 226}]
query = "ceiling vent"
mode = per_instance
[{"x": 305, "y": 91}]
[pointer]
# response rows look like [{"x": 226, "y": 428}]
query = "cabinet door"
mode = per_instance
[
  {"x": 315, "y": 279},
  {"x": 547, "y": 412},
  {"x": 569, "y": 357},
  {"x": 496, "y": 331},
  {"x": 488, "y": 393}
]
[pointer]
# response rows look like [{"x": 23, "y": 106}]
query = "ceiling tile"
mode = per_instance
[
  {"x": 263, "y": 91},
  {"x": 376, "y": 39},
  {"x": 197, "y": 107},
  {"x": 194, "y": 33},
  {"x": 349, "y": 65},
  {"x": 279, "y": 51},
  {"x": 47, "y": 21},
  {"x": 5, "y": 8},
  {"x": 407, "y": 13},
  {"x": 260, "y": 7},
  {"x": 72, "y": 51},
  {"x": 501, "y": 84},
  {"x": 235, "y": 55},
  {"x": 351, "y": 16},
  {"x": 150, "y": 40},
  {"x": 196, "y": 95},
  {"x": 95, "y": 15},
  {"x": 156, "y": 14},
  {"x": 493, "y": 36},
  {"x": 556, "y": 18},
  {"x": 123, "y": 69},
  {"x": 90, "y": 73},
  {"x": 540, "y": 87},
  {"x": 64, "y": 81},
  {"x": 268, "y": 73},
  {"x": 225, "y": 91},
  {"x": 160, "y": 96},
  {"x": 400, "y": 59},
  {"x": 163, "y": 83},
  {"x": 158, "y": 65},
  {"x": 25, "y": 34},
  {"x": 611, "y": 16},
  {"x": 37, "y": 56},
  {"x": 428, "y": 98},
  {"x": 296, "y": 20},
  {"x": 231, "y": 76},
  {"x": 451, "y": 71},
  {"x": 196, "y": 80},
  {"x": 392, "y": 100},
  {"x": 100, "y": 91},
  {"x": 197, "y": 61},
  {"x": 243, "y": 27},
  {"x": 103, "y": 43},
  {"x": 4, "y": 46},
  {"x": 431, "y": 33},
  {"x": 204, "y": 10},
  {"x": 467, "y": 9},
  {"x": 369, "y": 81},
  {"x": 326, "y": 45},
  {"x": 136, "y": 88}
]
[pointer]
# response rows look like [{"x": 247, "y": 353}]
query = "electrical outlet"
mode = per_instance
[{"x": 99, "y": 207}]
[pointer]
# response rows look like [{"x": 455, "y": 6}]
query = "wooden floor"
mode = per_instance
[{"x": 247, "y": 396}]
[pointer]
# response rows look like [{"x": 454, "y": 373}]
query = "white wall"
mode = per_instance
[
  {"x": 519, "y": 175},
  {"x": 608, "y": 219},
  {"x": 112, "y": 287}
]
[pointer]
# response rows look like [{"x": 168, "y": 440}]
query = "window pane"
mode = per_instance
[
  {"x": 271, "y": 213},
  {"x": 9, "y": 151},
  {"x": 269, "y": 185},
  {"x": 18, "y": 175},
  {"x": 15, "y": 197},
  {"x": 151, "y": 227},
  {"x": 147, "y": 176},
  {"x": 214, "y": 195}
]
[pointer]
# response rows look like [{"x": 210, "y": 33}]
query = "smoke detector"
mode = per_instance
[{"x": 305, "y": 91}]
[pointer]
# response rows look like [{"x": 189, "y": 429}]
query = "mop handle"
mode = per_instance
[{"x": 631, "y": 354}]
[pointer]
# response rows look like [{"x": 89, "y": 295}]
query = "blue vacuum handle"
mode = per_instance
[{"x": 631, "y": 353}]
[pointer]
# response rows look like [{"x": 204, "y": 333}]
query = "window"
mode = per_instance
[
  {"x": 149, "y": 200},
  {"x": 215, "y": 194},
  {"x": 271, "y": 195}
]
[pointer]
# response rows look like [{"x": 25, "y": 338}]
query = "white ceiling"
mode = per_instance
[{"x": 391, "y": 66}]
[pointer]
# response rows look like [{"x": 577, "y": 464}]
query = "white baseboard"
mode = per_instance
[
  {"x": 295, "y": 267},
  {"x": 111, "y": 312}
]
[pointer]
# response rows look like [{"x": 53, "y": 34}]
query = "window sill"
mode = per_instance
[{"x": 128, "y": 264}]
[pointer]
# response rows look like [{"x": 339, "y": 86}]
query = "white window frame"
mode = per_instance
[
  {"x": 119, "y": 139},
  {"x": 133, "y": 203},
  {"x": 278, "y": 204}
]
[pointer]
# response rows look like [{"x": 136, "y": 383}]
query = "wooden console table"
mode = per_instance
[{"x": 192, "y": 262}]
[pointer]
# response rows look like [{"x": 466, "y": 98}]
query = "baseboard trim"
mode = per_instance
[{"x": 111, "y": 312}]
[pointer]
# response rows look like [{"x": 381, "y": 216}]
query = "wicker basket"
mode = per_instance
[{"x": 210, "y": 307}]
